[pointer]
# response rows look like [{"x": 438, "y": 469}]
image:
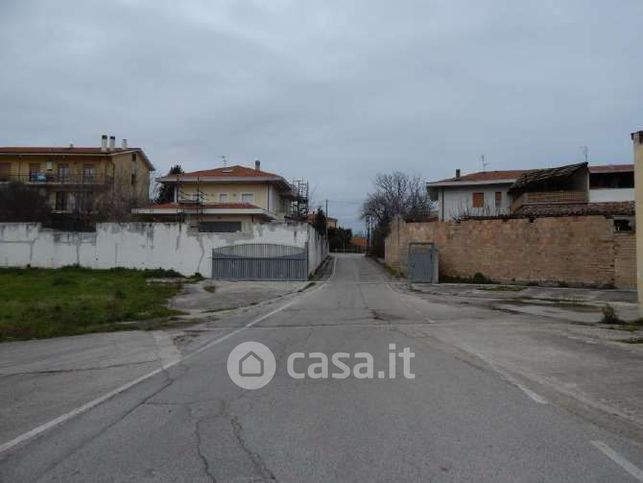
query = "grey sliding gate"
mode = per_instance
[
  {"x": 260, "y": 261},
  {"x": 423, "y": 263}
]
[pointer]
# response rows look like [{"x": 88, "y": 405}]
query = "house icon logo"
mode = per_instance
[{"x": 251, "y": 365}]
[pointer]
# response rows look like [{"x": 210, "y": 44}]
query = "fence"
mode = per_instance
[
  {"x": 173, "y": 246},
  {"x": 260, "y": 261}
]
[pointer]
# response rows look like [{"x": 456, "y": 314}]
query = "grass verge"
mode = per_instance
[{"x": 40, "y": 303}]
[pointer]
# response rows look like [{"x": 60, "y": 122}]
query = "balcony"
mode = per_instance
[
  {"x": 56, "y": 180},
  {"x": 550, "y": 198}
]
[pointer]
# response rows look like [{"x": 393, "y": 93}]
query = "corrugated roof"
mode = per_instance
[{"x": 536, "y": 176}]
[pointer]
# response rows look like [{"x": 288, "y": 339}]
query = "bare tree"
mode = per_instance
[{"x": 394, "y": 194}]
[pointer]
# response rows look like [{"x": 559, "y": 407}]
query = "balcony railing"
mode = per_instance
[
  {"x": 47, "y": 179},
  {"x": 550, "y": 198}
]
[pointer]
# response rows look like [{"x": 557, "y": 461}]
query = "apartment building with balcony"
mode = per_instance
[
  {"x": 81, "y": 179},
  {"x": 229, "y": 199}
]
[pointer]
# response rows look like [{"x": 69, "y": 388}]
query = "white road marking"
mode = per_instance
[
  {"x": 506, "y": 376},
  {"x": 91, "y": 404},
  {"x": 633, "y": 470}
]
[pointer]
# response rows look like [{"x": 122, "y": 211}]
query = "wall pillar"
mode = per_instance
[{"x": 637, "y": 139}]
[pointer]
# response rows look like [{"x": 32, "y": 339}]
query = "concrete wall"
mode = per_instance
[
  {"x": 317, "y": 249},
  {"x": 637, "y": 140},
  {"x": 456, "y": 201},
  {"x": 582, "y": 250},
  {"x": 611, "y": 194},
  {"x": 140, "y": 245}
]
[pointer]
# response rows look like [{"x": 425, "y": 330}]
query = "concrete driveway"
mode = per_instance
[{"x": 464, "y": 416}]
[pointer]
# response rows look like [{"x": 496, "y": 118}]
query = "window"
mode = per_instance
[
  {"x": 247, "y": 197},
  {"x": 88, "y": 172},
  {"x": 223, "y": 197},
  {"x": 478, "y": 200},
  {"x": 498, "y": 199},
  {"x": 220, "y": 226},
  {"x": 5, "y": 170},
  {"x": 34, "y": 171},
  {"x": 133, "y": 179},
  {"x": 63, "y": 172},
  {"x": 86, "y": 202},
  {"x": 61, "y": 201},
  {"x": 133, "y": 157},
  {"x": 623, "y": 224}
]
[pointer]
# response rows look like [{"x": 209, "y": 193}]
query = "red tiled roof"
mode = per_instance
[
  {"x": 58, "y": 150},
  {"x": 486, "y": 176},
  {"x": 611, "y": 208},
  {"x": 233, "y": 206},
  {"x": 236, "y": 171},
  {"x": 612, "y": 168},
  {"x": 52, "y": 150}
]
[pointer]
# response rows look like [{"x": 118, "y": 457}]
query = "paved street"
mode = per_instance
[{"x": 459, "y": 419}]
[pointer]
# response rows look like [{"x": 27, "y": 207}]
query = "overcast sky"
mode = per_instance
[{"x": 332, "y": 91}]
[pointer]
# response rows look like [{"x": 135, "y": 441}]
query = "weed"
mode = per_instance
[
  {"x": 610, "y": 317},
  {"x": 210, "y": 288}
]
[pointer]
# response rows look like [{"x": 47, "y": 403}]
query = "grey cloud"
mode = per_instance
[{"x": 334, "y": 91}]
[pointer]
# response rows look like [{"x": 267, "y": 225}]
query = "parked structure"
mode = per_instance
[
  {"x": 572, "y": 189},
  {"x": 81, "y": 179},
  {"x": 230, "y": 199}
]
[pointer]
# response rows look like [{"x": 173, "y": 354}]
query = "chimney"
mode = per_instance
[
  {"x": 103, "y": 142},
  {"x": 124, "y": 143},
  {"x": 637, "y": 137},
  {"x": 71, "y": 145},
  {"x": 457, "y": 174},
  {"x": 112, "y": 142},
  {"x": 258, "y": 165}
]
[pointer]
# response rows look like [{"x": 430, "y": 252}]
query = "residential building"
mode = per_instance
[
  {"x": 561, "y": 190},
  {"x": 81, "y": 179},
  {"x": 477, "y": 194},
  {"x": 330, "y": 221},
  {"x": 228, "y": 198},
  {"x": 612, "y": 182}
]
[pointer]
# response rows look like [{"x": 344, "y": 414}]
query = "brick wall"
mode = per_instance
[{"x": 583, "y": 250}]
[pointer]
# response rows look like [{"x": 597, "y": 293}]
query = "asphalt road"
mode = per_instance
[{"x": 457, "y": 420}]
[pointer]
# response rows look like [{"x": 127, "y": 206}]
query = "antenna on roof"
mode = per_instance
[
  {"x": 224, "y": 159},
  {"x": 585, "y": 151},
  {"x": 484, "y": 163}
]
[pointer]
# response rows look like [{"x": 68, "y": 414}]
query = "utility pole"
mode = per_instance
[{"x": 326, "y": 207}]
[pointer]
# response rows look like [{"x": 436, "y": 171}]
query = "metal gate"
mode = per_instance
[
  {"x": 260, "y": 261},
  {"x": 423, "y": 263}
]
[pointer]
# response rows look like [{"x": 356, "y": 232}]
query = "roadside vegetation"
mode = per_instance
[{"x": 40, "y": 303}]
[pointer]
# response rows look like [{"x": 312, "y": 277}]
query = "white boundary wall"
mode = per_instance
[{"x": 142, "y": 245}]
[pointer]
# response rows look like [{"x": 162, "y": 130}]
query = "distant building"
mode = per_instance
[
  {"x": 477, "y": 194},
  {"x": 330, "y": 221},
  {"x": 562, "y": 190},
  {"x": 81, "y": 179},
  {"x": 227, "y": 198}
]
